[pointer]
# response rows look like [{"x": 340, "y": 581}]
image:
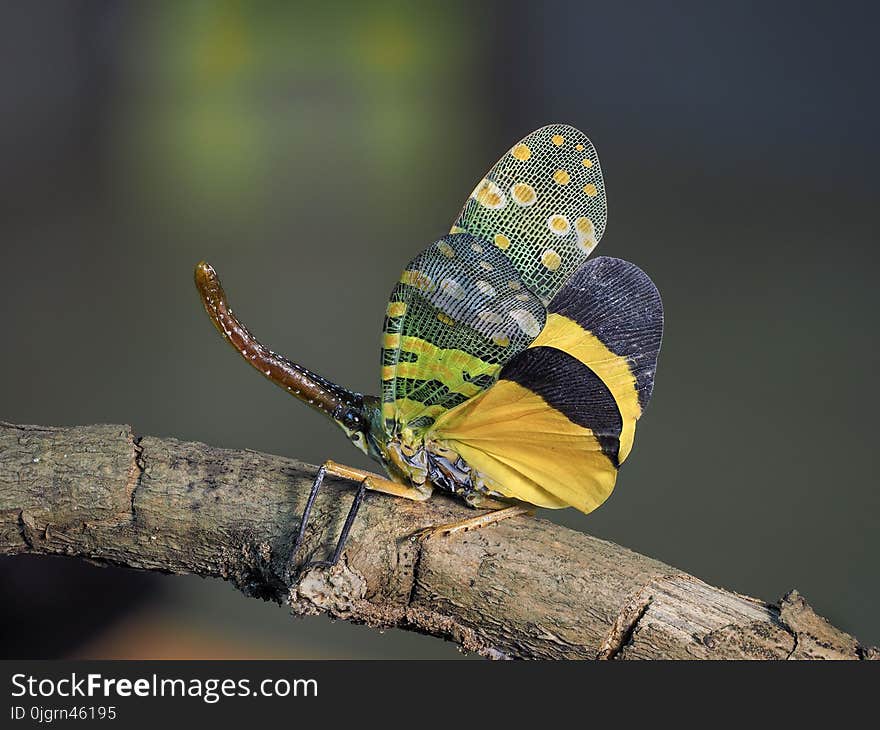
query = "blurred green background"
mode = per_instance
[{"x": 310, "y": 150}]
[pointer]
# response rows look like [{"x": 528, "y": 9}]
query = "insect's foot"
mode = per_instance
[{"x": 313, "y": 564}]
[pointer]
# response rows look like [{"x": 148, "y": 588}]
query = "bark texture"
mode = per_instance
[{"x": 524, "y": 588}]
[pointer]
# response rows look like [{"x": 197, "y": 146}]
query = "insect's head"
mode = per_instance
[{"x": 357, "y": 416}]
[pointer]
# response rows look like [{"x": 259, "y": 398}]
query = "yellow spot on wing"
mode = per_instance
[
  {"x": 391, "y": 340},
  {"x": 557, "y": 139},
  {"x": 489, "y": 195},
  {"x": 523, "y": 194},
  {"x": 445, "y": 319},
  {"x": 550, "y": 259},
  {"x": 502, "y": 241},
  {"x": 417, "y": 279},
  {"x": 521, "y": 152},
  {"x": 558, "y": 224},
  {"x": 561, "y": 177},
  {"x": 590, "y": 190},
  {"x": 396, "y": 309},
  {"x": 586, "y": 243},
  {"x": 579, "y": 147},
  {"x": 588, "y": 162},
  {"x": 584, "y": 226},
  {"x": 446, "y": 249}
]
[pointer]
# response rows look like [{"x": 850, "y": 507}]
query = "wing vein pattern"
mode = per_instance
[{"x": 470, "y": 302}]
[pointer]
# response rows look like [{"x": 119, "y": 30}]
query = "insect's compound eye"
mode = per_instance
[{"x": 353, "y": 421}]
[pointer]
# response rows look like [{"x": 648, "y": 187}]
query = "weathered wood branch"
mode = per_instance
[{"x": 524, "y": 588}]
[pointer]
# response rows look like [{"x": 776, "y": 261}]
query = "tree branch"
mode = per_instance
[{"x": 524, "y": 588}]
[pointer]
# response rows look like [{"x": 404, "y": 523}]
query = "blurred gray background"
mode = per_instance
[{"x": 309, "y": 153}]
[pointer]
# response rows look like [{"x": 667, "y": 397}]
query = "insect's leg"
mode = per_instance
[
  {"x": 375, "y": 483},
  {"x": 304, "y": 519},
  {"x": 475, "y": 523},
  {"x": 343, "y": 536},
  {"x": 366, "y": 480}
]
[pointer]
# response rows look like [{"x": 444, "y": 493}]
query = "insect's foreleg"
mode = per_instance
[
  {"x": 366, "y": 480},
  {"x": 343, "y": 536},
  {"x": 376, "y": 483}
]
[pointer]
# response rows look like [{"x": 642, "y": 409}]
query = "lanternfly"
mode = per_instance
[{"x": 513, "y": 369}]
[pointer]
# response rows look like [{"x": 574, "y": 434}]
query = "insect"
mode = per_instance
[{"x": 514, "y": 368}]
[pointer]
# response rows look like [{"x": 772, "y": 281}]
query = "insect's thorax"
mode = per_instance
[{"x": 428, "y": 463}]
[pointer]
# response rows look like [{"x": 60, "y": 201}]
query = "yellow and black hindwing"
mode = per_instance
[{"x": 555, "y": 427}]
